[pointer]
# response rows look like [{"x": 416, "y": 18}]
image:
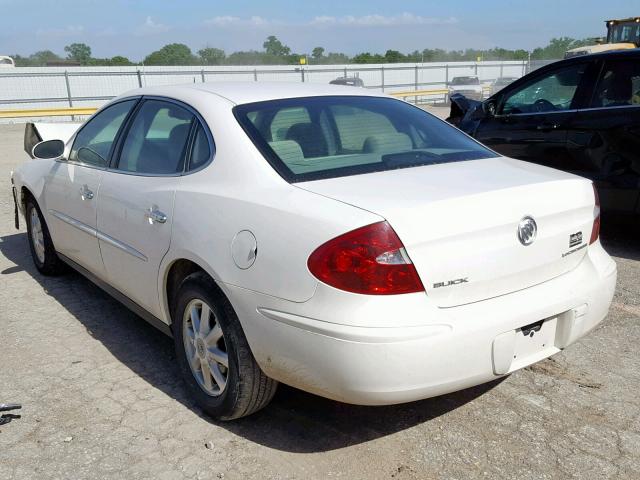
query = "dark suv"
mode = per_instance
[{"x": 580, "y": 115}]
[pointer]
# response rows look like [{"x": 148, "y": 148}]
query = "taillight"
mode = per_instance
[
  {"x": 369, "y": 260},
  {"x": 595, "y": 231}
]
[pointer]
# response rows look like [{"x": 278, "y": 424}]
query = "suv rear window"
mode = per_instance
[{"x": 334, "y": 136}]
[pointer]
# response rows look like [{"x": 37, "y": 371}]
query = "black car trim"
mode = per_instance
[
  {"x": 119, "y": 296},
  {"x": 508, "y": 115}
]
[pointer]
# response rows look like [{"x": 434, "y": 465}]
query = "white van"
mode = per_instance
[{"x": 6, "y": 62}]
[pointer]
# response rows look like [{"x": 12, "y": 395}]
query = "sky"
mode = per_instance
[{"x": 134, "y": 28}]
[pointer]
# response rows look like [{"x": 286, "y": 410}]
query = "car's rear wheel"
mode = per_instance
[
  {"x": 213, "y": 354},
  {"x": 42, "y": 251}
]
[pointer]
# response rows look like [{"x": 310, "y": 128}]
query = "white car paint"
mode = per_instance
[{"x": 455, "y": 220}]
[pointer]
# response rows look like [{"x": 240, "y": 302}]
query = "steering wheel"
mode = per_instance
[{"x": 542, "y": 105}]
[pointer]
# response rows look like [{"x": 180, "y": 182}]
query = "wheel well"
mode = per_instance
[
  {"x": 179, "y": 270},
  {"x": 25, "y": 193}
]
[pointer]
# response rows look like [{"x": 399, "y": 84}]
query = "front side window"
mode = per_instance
[
  {"x": 157, "y": 139},
  {"x": 619, "y": 85},
  {"x": 93, "y": 142},
  {"x": 350, "y": 135},
  {"x": 552, "y": 92}
]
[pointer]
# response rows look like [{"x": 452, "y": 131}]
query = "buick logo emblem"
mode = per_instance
[{"x": 527, "y": 231}]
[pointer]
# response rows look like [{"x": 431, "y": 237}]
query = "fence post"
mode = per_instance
[
  {"x": 446, "y": 80},
  {"x": 202, "y": 74},
  {"x": 302, "y": 74},
  {"x": 66, "y": 80},
  {"x": 255, "y": 74},
  {"x": 501, "y": 68},
  {"x": 345, "y": 72},
  {"x": 382, "y": 75},
  {"x": 475, "y": 69},
  {"x": 415, "y": 81},
  {"x": 139, "y": 78}
]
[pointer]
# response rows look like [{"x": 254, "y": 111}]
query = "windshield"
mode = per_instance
[
  {"x": 465, "y": 81},
  {"x": 625, "y": 33},
  {"x": 326, "y": 137}
]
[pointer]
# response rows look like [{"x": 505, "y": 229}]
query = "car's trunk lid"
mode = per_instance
[{"x": 459, "y": 222}]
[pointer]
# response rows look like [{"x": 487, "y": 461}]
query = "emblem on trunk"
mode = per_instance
[{"x": 527, "y": 230}]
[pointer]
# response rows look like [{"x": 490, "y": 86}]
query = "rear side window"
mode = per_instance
[
  {"x": 350, "y": 135},
  {"x": 94, "y": 141},
  {"x": 619, "y": 85},
  {"x": 156, "y": 141}
]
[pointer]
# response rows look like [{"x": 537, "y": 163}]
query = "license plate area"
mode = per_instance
[
  {"x": 534, "y": 342},
  {"x": 525, "y": 345}
]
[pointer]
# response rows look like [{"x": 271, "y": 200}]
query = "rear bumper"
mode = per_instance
[{"x": 437, "y": 351}]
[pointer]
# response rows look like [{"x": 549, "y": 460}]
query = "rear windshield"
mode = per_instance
[
  {"x": 465, "y": 81},
  {"x": 326, "y": 137}
]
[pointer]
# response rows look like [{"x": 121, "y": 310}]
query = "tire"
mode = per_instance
[
  {"x": 246, "y": 388},
  {"x": 42, "y": 250}
]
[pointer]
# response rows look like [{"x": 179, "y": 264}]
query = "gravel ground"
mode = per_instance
[{"x": 102, "y": 399}]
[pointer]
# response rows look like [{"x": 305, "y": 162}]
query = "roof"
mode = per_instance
[
  {"x": 630, "y": 52},
  {"x": 249, "y": 92}
]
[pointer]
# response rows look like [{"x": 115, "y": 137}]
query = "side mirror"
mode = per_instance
[
  {"x": 48, "y": 150},
  {"x": 489, "y": 108}
]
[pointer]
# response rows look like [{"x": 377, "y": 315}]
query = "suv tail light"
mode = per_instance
[
  {"x": 369, "y": 260},
  {"x": 595, "y": 231}
]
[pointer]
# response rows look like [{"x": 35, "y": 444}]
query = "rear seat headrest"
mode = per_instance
[{"x": 387, "y": 142}]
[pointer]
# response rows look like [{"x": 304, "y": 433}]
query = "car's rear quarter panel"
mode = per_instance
[{"x": 239, "y": 191}]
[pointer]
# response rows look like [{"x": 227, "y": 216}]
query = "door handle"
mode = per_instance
[
  {"x": 545, "y": 127},
  {"x": 156, "y": 216},
  {"x": 85, "y": 193}
]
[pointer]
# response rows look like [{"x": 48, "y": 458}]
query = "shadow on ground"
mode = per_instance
[{"x": 295, "y": 421}]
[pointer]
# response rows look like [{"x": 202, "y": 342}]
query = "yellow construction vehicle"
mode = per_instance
[{"x": 621, "y": 35}]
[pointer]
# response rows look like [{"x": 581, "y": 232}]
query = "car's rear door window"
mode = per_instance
[
  {"x": 619, "y": 84},
  {"x": 200, "y": 149},
  {"x": 333, "y": 136},
  {"x": 156, "y": 141}
]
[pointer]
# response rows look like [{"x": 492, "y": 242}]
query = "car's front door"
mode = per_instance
[
  {"x": 605, "y": 143},
  {"x": 532, "y": 119},
  {"x": 136, "y": 198},
  {"x": 71, "y": 190}
]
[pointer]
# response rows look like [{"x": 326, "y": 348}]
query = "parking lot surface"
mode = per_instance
[{"x": 102, "y": 397}]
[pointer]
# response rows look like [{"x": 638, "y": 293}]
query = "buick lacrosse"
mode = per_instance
[{"x": 334, "y": 239}]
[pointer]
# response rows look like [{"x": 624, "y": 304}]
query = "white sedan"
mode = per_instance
[{"x": 337, "y": 240}]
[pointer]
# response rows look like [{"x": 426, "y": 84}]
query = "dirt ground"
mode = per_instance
[{"x": 102, "y": 399}]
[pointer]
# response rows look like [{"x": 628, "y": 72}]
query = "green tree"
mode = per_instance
[
  {"x": 273, "y": 46},
  {"x": 211, "y": 56},
  {"x": 333, "y": 58},
  {"x": 172, "y": 54},
  {"x": 119, "y": 60},
  {"x": 42, "y": 57},
  {"x": 317, "y": 53},
  {"x": 78, "y": 52},
  {"x": 394, "y": 56}
]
